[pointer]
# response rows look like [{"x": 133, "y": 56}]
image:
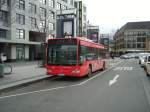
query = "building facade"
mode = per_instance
[
  {"x": 66, "y": 20},
  {"x": 133, "y": 37},
  {"x": 25, "y": 24},
  {"x": 81, "y": 9}
]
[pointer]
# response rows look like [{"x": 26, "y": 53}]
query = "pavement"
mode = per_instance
[
  {"x": 28, "y": 72},
  {"x": 22, "y": 73}
]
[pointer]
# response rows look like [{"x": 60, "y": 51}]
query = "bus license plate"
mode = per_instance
[{"x": 61, "y": 74}]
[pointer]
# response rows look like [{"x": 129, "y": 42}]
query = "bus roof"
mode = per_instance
[{"x": 83, "y": 41}]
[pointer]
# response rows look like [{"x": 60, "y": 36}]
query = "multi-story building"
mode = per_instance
[
  {"x": 81, "y": 18},
  {"x": 25, "y": 24},
  {"x": 133, "y": 37},
  {"x": 66, "y": 20}
]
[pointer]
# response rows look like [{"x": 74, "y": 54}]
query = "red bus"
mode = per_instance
[{"x": 74, "y": 57}]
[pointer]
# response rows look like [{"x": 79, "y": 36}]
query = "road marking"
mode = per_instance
[
  {"x": 123, "y": 68},
  {"x": 114, "y": 80},
  {"x": 62, "y": 87}
]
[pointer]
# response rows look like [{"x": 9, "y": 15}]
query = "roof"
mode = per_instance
[{"x": 138, "y": 25}]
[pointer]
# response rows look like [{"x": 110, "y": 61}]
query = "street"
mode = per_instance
[{"x": 120, "y": 88}]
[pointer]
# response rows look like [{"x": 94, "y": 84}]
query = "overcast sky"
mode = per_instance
[{"x": 112, "y": 14}]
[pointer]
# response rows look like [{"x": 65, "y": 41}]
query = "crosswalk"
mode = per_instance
[{"x": 123, "y": 69}]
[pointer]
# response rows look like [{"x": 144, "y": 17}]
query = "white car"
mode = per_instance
[
  {"x": 142, "y": 57},
  {"x": 142, "y": 60},
  {"x": 147, "y": 65}
]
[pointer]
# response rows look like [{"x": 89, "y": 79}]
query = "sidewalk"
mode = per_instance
[{"x": 22, "y": 73}]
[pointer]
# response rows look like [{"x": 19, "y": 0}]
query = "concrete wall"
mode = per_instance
[
  {"x": 26, "y": 52},
  {"x": 13, "y": 52}
]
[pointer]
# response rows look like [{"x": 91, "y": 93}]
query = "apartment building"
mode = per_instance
[
  {"x": 25, "y": 24},
  {"x": 133, "y": 37}
]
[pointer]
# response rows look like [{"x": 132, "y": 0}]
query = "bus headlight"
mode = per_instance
[
  {"x": 76, "y": 71},
  {"x": 49, "y": 70}
]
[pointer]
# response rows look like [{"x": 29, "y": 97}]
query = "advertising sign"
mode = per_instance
[
  {"x": 94, "y": 37},
  {"x": 67, "y": 26}
]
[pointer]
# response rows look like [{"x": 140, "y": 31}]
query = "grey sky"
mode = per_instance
[{"x": 112, "y": 14}]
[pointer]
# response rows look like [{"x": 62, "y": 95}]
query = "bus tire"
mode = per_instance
[{"x": 89, "y": 71}]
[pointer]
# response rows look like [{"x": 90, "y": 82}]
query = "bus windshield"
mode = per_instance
[{"x": 62, "y": 54}]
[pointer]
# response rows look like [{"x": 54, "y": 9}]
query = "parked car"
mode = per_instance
[
  {"x": 142, "y": 57},
  {"x": 128, "y": 56},
  {"x": 142, "y": 60},
  {"x": 147, "y": 65}
]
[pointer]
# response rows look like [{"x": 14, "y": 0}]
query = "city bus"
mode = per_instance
[{"x": 75, "y": 57}]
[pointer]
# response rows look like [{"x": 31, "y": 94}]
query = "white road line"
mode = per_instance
[
  {"x": 114, "y": 80},
  {"x": 62, "y": 87},
  {"x": 98, "y": 75}
]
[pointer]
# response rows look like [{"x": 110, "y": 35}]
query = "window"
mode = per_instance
[
  {"x": 20, "y": 34},
  {"x": 89, "y": 53},
  {"x": 43, "y": 1},
  {"x": 51, "y": 14},
  {"x": 84, "y": 9},
  {"x": 20, "y": 19},
  {"x": 20, "y": 52},
  {"x": 42, "y": 12},
  {"x": 33, "y": 22},
  {"x": 84, "y": 17},
  {"x": 32, "y": 8},
  {"x": 58, "y": 6},
  {"x": 64, "y": 7},
  {"x": 65, "y": 0},
  {"x": 75, "y": 5},
  {"x": 51, "y": 3},
  {"x": 2, "y": 33},
  {"x": 4, "y": 2},
  {"x": 3, "y": 16},
  {"x": 21, "y": 4},
  {"x": 71, "y": 2},
  {"x": 51, "y": 26},
  {"x": 141, "y": 39},
  {"x": 42, "y": 24}
]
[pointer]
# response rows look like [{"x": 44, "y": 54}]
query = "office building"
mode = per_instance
[{"x": 133, "y": 37}]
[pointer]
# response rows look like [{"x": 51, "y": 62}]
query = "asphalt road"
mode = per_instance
[{"x": 124, "y": 88}]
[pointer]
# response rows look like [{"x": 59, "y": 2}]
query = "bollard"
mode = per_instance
[{"x": 1, "y": 70}]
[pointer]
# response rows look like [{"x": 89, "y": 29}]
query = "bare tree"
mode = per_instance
[{"x": 43, "y": 28}]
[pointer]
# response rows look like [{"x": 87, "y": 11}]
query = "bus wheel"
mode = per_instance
[{"x": 89, "y": 71}]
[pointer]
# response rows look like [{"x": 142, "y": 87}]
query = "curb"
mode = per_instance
[{"x": 17, "y": 84}]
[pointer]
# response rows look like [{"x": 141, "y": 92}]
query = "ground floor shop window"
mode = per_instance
[{"x": 20, "y": 52}]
